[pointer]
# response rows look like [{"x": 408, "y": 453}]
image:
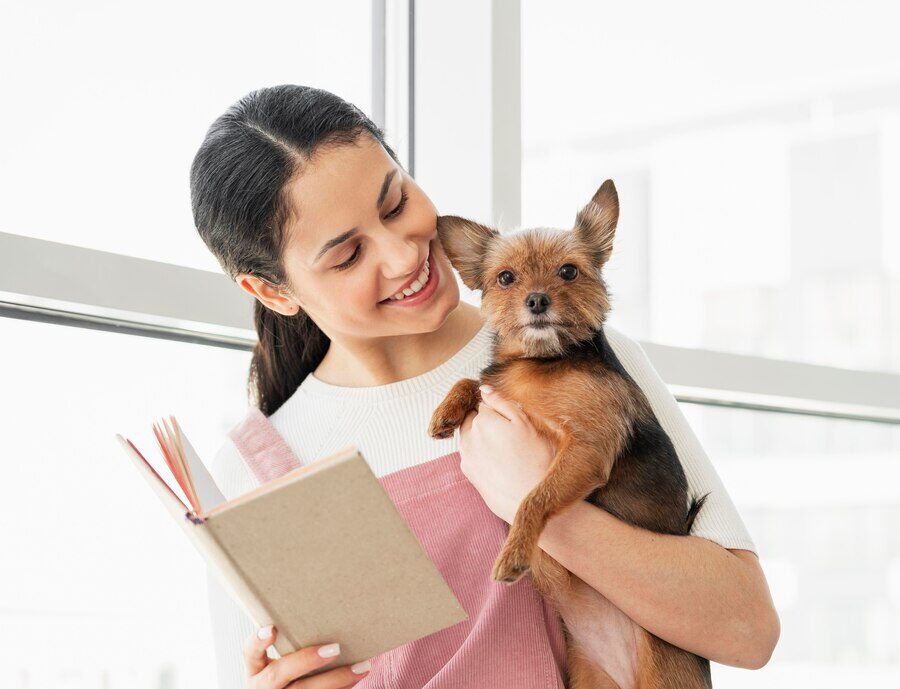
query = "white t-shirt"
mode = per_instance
[{"x": 389, "y": 423}]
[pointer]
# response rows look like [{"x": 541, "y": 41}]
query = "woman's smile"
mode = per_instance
[{"x": 426, "y": 282}]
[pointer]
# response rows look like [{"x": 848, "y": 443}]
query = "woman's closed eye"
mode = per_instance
[
  {"x": 400, "y": 206},
  {"x": 355, "y": 255}
]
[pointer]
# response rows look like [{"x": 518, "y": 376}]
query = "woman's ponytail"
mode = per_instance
[
  {"x": 289, "y": 349},
  {"x": 238, "y": 181}
]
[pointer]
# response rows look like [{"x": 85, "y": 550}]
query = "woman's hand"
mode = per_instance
[
  {"x": 501, "y": 453},
  {"x": 266, "y": 673}
]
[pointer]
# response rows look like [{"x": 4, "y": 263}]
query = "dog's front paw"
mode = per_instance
[
  {"x": 448, "y": 417},
  {"x": 451, "y": 412},
  {"x": 511, "y": 565},
  {"x": 441, "y": 426}
]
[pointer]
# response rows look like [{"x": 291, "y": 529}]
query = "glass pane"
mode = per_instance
[
  {"x": 757, "y": 163},
  {"x": 105, "y": 105},
  {"x": 820, "y": 499},
  {"x": 100, "y": 588}
]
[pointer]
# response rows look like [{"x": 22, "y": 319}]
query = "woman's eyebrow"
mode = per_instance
[{"x": 344, "y": 236}]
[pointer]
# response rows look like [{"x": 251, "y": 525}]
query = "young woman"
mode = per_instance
[{"x": 308, "y": 209}]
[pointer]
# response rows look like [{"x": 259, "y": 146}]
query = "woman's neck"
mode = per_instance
[{"x": 379, "y": 361}]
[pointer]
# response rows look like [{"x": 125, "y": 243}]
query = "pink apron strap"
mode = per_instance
[{"x": 262, "y": 447}]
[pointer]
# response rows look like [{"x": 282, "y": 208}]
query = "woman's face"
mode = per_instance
[{"x": 361, "y": 232}]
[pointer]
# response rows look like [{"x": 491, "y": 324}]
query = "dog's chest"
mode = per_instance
[{"x": 550, "y": 395}]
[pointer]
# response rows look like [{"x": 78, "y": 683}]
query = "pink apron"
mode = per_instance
[{"x": 513, "y": 636}]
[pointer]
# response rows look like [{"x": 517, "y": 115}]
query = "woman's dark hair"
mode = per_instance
[{"x": 238, "y": 180}]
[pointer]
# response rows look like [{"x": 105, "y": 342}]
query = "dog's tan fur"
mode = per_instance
[{"x": 610, "y": 448}]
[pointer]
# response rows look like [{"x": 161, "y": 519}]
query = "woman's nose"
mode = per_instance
[{"x": 400, "y": 256}]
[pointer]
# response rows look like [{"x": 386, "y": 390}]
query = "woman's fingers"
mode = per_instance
[
  {"x": 295, "y": 666},
  {"x": 507, "y": 408},
  {"x": 266, "y": 673},
  {"x": 255, "y": 658},
  {"x": 467, "y": 422}
]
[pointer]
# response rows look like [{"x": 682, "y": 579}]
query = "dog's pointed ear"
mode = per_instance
[
  {"x": 595, "y": 224},
  {"x": 466, "y": 243}
]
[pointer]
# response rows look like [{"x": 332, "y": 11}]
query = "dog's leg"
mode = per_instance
[
  {"x": 574, "y": 472},
  {"x": 584, "y": 673},
  {"x": 462, "y": 398},
  {"x": 664, "y": 666}
]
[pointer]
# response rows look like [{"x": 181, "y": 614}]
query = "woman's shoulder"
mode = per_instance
[
  {"x": 626, "y": 347},
  {"x": 637, "y": 364}
]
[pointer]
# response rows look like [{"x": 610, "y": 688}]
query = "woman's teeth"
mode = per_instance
[{"x": 417, "y": 284}]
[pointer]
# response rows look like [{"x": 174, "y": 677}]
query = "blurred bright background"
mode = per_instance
[{"x": 756, "y": 150}]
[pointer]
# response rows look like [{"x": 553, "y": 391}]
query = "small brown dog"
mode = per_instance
[{"x": 545, "y": 298}]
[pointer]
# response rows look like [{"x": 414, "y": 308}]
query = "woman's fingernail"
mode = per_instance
[
  {"x": 264, "y": 632},
  {"x": 361, "y": 667},
  {"x": 486, "y": 389},
  {"x": 329, "y": 650}
]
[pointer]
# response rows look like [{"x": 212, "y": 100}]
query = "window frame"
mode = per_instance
[{"x": 81, "y": 287}]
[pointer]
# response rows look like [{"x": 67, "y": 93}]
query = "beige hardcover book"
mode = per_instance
[{"x": 321, "y": 552}]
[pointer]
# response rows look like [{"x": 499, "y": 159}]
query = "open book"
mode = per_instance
[{"x": 320, "y": 552}]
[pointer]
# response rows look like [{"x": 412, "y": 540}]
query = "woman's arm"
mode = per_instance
[
  {"x": 691, "y": 592},
  {"x": 705, "y": 592}
]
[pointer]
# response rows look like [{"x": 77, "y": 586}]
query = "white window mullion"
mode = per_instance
[{"x": 44, "y": 280}]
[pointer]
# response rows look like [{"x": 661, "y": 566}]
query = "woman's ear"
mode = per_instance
[
  {"x": 466, "y": 243},
  {"x": 267, "y": 294}
]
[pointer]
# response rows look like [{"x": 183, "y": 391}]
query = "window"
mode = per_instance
[
  {"x": 99, "y": 587},
  {"x": 103, "y": 112},
  {"x": 756, "y": 168},
  {"x": 108, "y": 103},
  {"x": 819, "y": 498}
]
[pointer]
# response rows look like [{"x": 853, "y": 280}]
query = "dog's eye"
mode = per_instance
[
  {"x": 505, "y": 278},
  {"x": 568, "y": 272}
]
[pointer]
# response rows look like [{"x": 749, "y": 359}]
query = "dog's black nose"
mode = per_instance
[{"x": 537, "y": 302}]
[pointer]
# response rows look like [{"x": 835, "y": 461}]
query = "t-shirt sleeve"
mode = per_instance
[
  {"x": 718, "y": 519},
  {"x": 230, "y": 624}
]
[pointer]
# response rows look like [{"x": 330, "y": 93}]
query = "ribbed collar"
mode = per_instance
[{"x": 442, "y": 375}]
